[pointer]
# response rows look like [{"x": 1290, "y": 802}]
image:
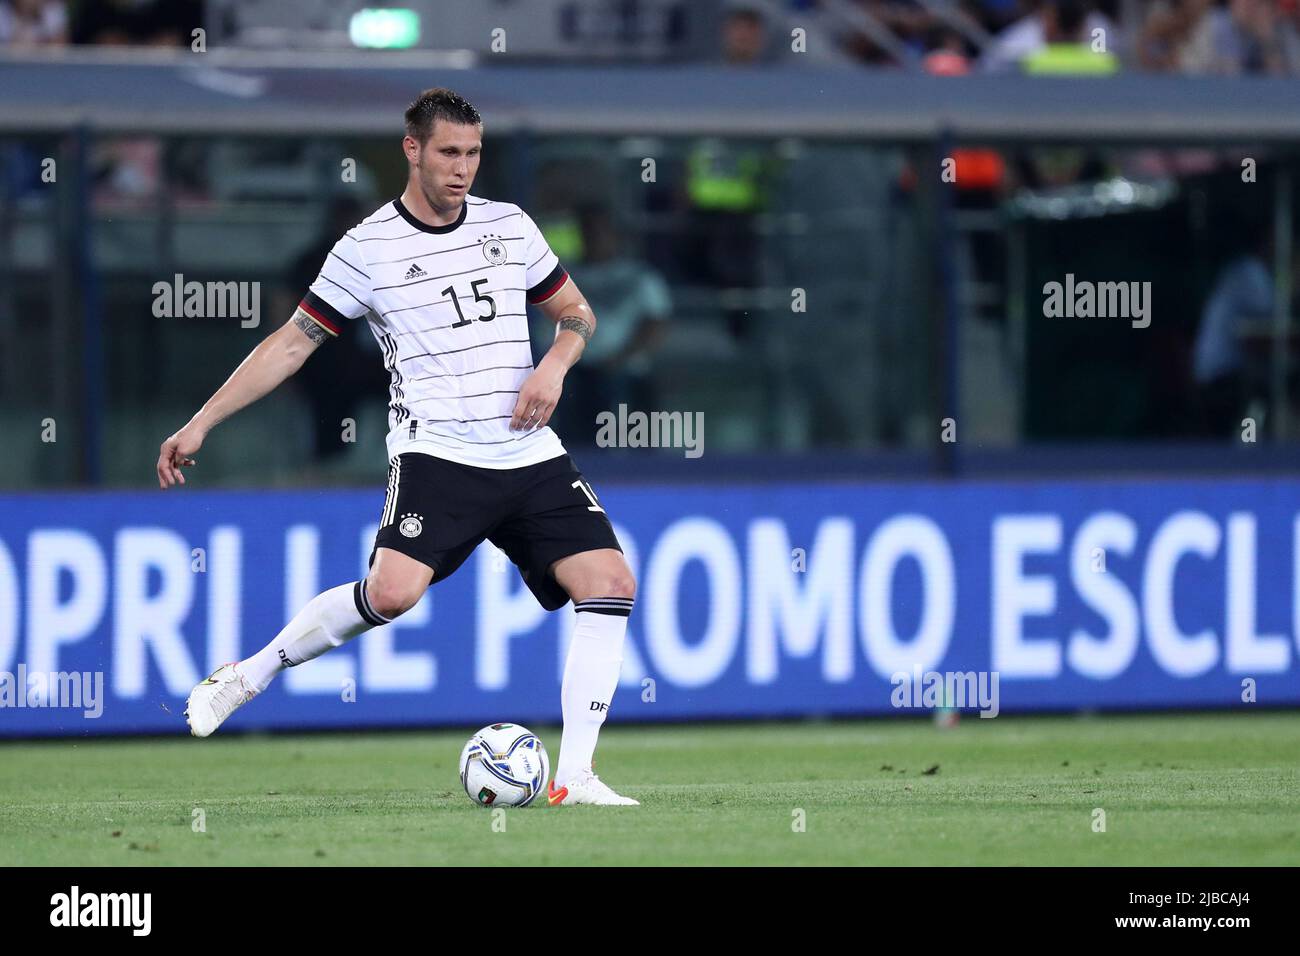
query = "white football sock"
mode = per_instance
[
  {"x": 590, "y": 679},
  {"x": 329, "y": 619}
]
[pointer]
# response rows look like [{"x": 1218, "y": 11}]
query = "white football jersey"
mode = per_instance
[{"x": 448, "y": 307}]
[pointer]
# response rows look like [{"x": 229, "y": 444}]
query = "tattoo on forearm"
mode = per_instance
[
  {"x": 310, "y": 327},
  {"x": 575, "y": 324}
]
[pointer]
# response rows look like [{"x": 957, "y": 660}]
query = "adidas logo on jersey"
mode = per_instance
[{"x": 415, "y": 272}]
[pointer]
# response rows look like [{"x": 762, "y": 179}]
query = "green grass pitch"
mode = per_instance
[{"x": 1177, "y": 789}]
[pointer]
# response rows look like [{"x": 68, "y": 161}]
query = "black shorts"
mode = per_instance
[{"x": 438, "y": 511}]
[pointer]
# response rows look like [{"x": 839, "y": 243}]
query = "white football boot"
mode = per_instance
[
  {"x": 586, "y": 787},
  {"x": 215, "y": 699}
]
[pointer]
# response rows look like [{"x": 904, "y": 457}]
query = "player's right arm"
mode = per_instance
[{"x": 276, "y": 358}]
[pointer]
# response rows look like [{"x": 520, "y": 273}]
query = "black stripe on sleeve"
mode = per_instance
[
  {"x": 548, "y": 286},
  {"x": 325, "y": 309}
]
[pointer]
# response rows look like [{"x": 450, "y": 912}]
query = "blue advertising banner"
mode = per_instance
[{"x": 753, "y": 601}]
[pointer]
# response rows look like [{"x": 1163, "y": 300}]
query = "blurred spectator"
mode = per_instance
[
  {"x": 137, "y": 22},
  {"x": 726, "y": 187},
  {"x": 127, "y": 171},
  {"x": 1238, "y": 36},
  {"x": 1056, "y": 27},
  {"x": 30, "y": 23},
  {"x": 1242, "y": 296},
  {"x": 1170, "y": 31},
  {"x": 1227, "y": 37},
  {"x": 744, "y": 37},
  {"x": 632, "y": 303},
  {"x": 1289, "y": 34},
  {"x": 946, "y": 53}
]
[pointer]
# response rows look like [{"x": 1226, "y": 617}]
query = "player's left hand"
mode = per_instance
[{"x": 537, "y": 398}]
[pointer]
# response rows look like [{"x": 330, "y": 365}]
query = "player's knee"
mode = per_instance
[
  {"x": 620, "y": 584},
  {"x": 390, "y": 598}
]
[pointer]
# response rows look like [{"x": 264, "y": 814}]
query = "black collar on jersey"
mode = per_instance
[{"x": 425, "y": 227}]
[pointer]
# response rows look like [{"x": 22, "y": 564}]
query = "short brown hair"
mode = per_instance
[{"x": 436, "y": 104}]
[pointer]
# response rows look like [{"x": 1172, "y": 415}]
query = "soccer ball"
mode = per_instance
[{"x": 504, "y": 765}]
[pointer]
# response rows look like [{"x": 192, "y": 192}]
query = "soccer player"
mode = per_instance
[{"x": 442, "y": 278}]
